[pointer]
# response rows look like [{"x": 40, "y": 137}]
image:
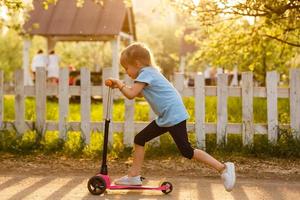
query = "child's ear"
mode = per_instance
[{"x": 138, "y": 63}]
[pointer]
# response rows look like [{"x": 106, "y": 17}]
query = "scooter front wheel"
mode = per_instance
[
  {"x": 169, "y": 185},
  {"x": 96, "y": 185}
]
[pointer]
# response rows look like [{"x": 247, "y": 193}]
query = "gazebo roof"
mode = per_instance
[{"x": 66, "y": 21}]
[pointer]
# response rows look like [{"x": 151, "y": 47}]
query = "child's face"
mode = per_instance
[{"x": 132, "y": 70}]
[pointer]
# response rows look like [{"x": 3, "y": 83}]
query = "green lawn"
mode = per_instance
[{"x": 142, "y": 110}]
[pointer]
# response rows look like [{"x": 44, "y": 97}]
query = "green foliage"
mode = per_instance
[
  {"x": 28, "y": 142},
  {"x": 51, "y": 143},
  {"x": 9, "y": 107},
  {"x": 189, "y": 104},
  {"x": 7, "y": 140},
  {"x": 12, "y": 14},
  {"x": 152, "y": 30},
  {"x": 232, "y": 43},
  {"x": 94, "y": 149},
  {"x": 287, "y": 145},
  {"x": 21, "y": 144},
  {"x": 281, "y": 15},
  {"x": 74, "y": 143},
  {"x": 165, "y": 48},
  {"x": 92, "y": 55},
  {"x": 253, "y": 35},
  {"x": 10, "y": 54},
  {"x": 141, "y": 111},
  {"x": 117, "y": 145}
]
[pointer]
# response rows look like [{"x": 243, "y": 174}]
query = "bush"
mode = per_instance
[
  {"x": 24, "y": 144},
  {"x": 74, "y": 144},
  {"x": 288, "y": 145},
  {"x": 7, "y": 140},
  {"x": 51, "y": 143}
]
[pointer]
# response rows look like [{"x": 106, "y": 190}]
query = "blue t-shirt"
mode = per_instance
[{"x": 163, "y": 98}]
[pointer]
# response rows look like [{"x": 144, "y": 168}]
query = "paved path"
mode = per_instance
[{"x": 16, "y": 187}]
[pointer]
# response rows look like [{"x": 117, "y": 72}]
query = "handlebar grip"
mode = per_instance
[{"x": 108, "y": 83}]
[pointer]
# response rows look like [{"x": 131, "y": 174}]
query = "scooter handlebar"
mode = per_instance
[{"x": 108, "y": 82}]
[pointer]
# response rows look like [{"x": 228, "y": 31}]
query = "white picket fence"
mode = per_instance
[{"x": 247, "y": 92}]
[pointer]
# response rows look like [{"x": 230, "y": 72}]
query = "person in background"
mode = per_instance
[
  {"x": 39, "y": 60},
  {"x": 53, "y": 68}
]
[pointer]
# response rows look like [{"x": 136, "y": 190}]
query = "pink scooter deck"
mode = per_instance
[{"x": 127, "y": 187}]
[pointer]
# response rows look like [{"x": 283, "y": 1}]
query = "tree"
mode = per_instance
[
  {"x": 156, "y": 26},
  {"x": 254, "y": 35},
  {"x": 13, "y": 13},
  {"x": 10, "y": 54},
  {"x": 85, "y": 54},
  {"x": 165, "y": 48},
  {"x": 284, "y": 15}
]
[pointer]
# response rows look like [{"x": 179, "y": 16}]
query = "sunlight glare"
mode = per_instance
[
  {"x": 3, "y": 13},
  {"x": 196, "y": 2}
]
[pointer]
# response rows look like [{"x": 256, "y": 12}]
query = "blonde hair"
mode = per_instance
[{"x": 137, "y": 52}]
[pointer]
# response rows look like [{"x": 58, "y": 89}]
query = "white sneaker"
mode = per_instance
[
  {"x": 228, "y": 176},
  {"x": 125, "y": 180}
]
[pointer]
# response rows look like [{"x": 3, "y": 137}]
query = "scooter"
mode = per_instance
[{"x": 99, "y": 183}]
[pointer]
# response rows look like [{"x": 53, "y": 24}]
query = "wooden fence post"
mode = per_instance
[
  {"x": 85, "y": 103},
  {"x": 40, "y": 94},
  {"x": 179, "y": 82},
  {"x": 272, "y": 80},
  {"x": 129, "y": 118},
  {"x": 19, "y": 102},
  {"x": 1, "y": 99},
  {"x": 106, "y": 73},
  {"x": 63, "y": 93},
  {"x": 295, "y": 101},
  {"x": 247, "y": 108},
  {"x": 200, "y": 110},
  {"x": 222, "y": 95}
]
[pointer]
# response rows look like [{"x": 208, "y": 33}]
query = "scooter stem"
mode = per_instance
[{"x": 103, "y": 169}]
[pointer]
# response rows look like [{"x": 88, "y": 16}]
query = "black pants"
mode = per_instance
[{"x": 178, "y": 133}]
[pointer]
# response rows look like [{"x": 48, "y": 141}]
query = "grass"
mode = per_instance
[
  {"x": 142, "y": 110},
  {"x": 74, "y": 144}
]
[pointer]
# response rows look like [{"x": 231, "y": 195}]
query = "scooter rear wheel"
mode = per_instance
[
  {"x": 169, "y": 189},
  {"x": 96, "y": 185}
]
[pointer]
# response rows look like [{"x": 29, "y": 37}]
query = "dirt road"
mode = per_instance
[
  {"x": 16, "y": 187},
  {"x": 46, "y": 177}
]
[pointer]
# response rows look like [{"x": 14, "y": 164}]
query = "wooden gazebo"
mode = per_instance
[{"x": 112, "y": 21}]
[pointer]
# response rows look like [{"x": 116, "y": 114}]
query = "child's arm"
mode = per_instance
[
  {"x": 129, "y": 92},
  {"x": 133, "y": 91}
]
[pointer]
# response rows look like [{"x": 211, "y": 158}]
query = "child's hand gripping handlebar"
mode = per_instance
[{"x": 108, "y": 83}]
